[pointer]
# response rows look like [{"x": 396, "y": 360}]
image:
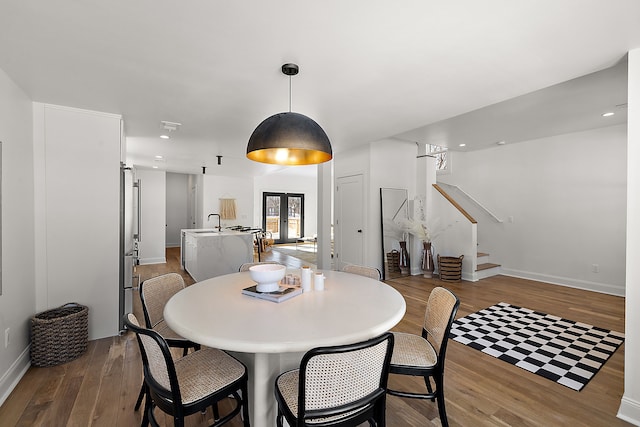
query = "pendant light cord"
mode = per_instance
[{"x": 289, "y": 93}]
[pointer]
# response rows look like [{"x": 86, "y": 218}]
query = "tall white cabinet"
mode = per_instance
[{"x": 77, "y": 173}]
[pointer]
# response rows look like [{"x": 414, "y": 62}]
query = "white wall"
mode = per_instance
[
  {"x": 324, "y": 198},
  {"x": 566, "y": 196},
  {"x": 393, "y": 165},
  {"x": 153, "y": 215},
  {"x": 283, "y": 182},
  {"x": 177, "y": 209},
  {"x": 216, "y": 187},
  {"x": 348, "y": 163},
  {"x": 17, "y": 301},
  {"x": 77, "y": 213},
  {"x": 386, "y": 163},
  {"x": 630, "y": 405},
  {"x": 198, "y": 185}
]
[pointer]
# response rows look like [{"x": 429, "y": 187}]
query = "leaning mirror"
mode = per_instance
[{"x": 394, "y": 210}]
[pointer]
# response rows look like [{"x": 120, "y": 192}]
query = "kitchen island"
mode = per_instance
[{"x": 207, "y": 253}]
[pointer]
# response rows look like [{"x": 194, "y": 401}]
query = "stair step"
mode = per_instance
[
  {"x": 481, "y": 254},
  {"x": 486, "y": 266}
]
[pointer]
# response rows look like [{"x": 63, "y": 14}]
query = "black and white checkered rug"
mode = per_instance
[{"x": 567, "y": 352}]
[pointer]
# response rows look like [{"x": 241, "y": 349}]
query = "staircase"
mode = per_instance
[
  {"x": 465, "y": 232},
  {"x": 485, "y": 268}
]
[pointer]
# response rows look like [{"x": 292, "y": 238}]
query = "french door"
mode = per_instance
[{"x": 283, "y": 216}]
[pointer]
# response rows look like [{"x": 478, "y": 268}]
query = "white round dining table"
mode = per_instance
[{"x": 271, "y": 337}]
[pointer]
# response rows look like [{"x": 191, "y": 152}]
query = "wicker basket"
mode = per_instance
[
  {"x": 59, "y": 335},
  {"x": 450, "y": 268},
  {"x": 393, "y": 261}
]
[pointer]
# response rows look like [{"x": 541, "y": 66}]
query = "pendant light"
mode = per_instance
[{"x": 289, "y": 138}]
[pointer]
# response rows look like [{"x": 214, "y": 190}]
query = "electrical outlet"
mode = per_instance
[{"x": 6, "y": 337}]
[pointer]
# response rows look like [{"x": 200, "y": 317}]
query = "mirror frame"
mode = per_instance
[{"x": 394, "y": 205}]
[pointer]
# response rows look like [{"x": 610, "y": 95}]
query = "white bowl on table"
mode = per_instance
[{"x": 267, "y": 276}]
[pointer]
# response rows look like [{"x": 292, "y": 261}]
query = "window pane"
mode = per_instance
[
  {"x": 440, "y": 153},
  {"x": 273, "y": 216},
  {"x": 294, "y": 217},
  {"x": 441, "y": 161}
]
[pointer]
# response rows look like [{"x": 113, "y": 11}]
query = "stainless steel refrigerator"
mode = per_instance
[{"x": 129, "y": 236}]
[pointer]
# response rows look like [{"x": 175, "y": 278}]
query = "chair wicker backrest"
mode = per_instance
[
  {"x": 336, "y": 379},
  {"x": 441, "y": 309},
  {"x": 247, "y": 265},
  {"x": 155, "y": 292},
  {"x": 156, "y": 357},
  {"x": 339, "y": 385},
  {"x": 362, "y": 270}
]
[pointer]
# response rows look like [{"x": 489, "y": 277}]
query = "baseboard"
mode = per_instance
[
  {"x": 469, "y": 277},
  {"x": 629, "y": 411},
  {"x": 147, "y": 261},
  {"x": 16, "y": 371},
  {"x": 603, "y": 288}
]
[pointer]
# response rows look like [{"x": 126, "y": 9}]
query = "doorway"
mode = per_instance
[
  {"x": 349, "y": 199},
  {"x": 283, "y": 216}
]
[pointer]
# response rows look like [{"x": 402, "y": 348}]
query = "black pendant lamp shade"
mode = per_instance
[{"x": 290, "y": 139}]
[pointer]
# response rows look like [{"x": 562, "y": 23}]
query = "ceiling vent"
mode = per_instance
[{"x": 170, "y": 126}]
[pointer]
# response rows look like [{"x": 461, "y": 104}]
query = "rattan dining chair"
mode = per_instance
[
  {"x": 362, "y": 270},
  {"x": 337, "y": 386},
  {"x": 425, "y": 355},
  {"x": 247, "y": 265},
  {"x": 154, "y": 294},
  {"x": 190, "y": 384}
]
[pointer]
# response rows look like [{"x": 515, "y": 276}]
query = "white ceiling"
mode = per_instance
[
  {"x": 369, "y": 69},
  {"x": 572, "y": 106}
]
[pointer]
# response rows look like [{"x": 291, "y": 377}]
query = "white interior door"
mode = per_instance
[{"x": 349, "y": 221}]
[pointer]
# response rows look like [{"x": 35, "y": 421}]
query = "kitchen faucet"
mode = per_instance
[{"x": 218, "y": 215}]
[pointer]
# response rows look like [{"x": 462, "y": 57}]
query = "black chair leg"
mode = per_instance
[
  {"x": 148, "y": 409},
  {"x": 427, "y": 381},
  {"x": 380, "y": 413},
  {"x": 442, "y": 412},
  {"x": 143, "y": 392},
  {"x": 245, "y": 406},
  {"x": 279, "y": 418},
  {"x": 216, "y": 411},
  {"x": 185, "y": 350}
]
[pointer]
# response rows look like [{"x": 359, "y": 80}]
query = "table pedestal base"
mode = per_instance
[{"x": 263, "y": 369}]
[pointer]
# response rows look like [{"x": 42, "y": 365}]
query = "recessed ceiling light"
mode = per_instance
[
  {"x": 608, "y": 114},
  {"x": 159, "y": 157},
  {"x": 164, "y": 136},
  {"x": 501, "y": 142},
  {"x": 462, "y": 145},
  {"x": 155, "y": 167}
]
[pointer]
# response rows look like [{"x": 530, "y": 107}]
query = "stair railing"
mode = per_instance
[
  {"x": 468, "y": 196},
  {"x": 455, "y": 204}
]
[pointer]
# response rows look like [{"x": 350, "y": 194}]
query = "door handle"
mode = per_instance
[{"x": 359, "y": 231}]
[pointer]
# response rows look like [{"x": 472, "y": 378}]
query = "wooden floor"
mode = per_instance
[{"x": 100, "y": 387}]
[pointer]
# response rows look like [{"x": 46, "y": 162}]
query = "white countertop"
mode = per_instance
[{"x": 212, "y": 232}]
